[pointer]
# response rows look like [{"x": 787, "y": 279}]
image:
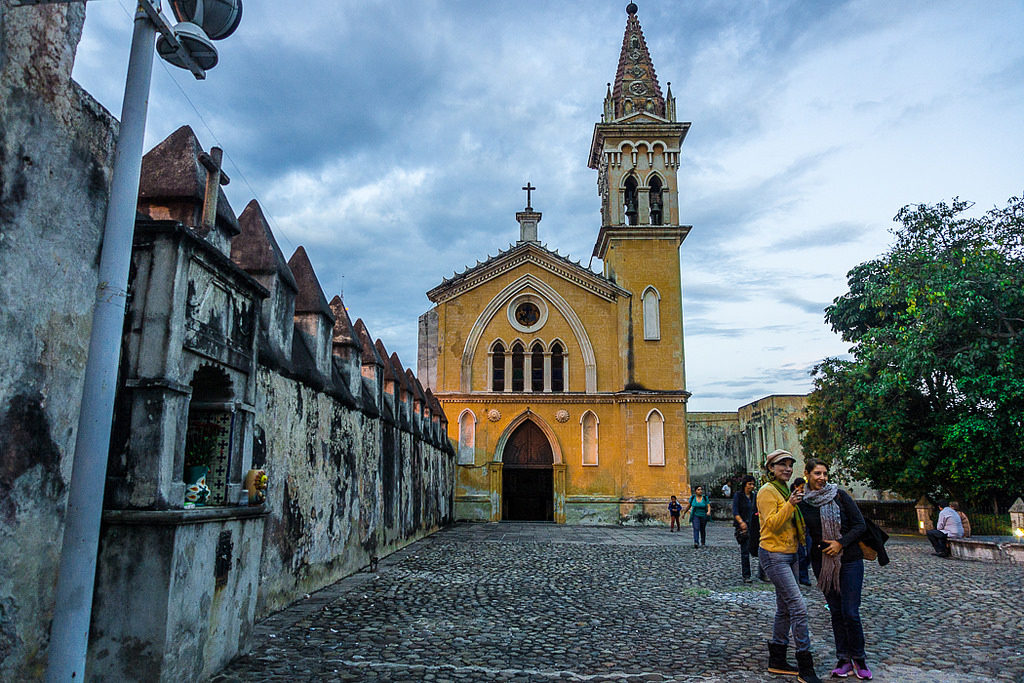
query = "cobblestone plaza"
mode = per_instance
[{"x": 544, "y": 602}]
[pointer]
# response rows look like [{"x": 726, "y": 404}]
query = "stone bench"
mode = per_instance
[{"x": 987, "y": 549}]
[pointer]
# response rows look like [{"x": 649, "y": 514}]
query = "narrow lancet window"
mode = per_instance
[
  {"x": 652, "y": 315},
  {"x": 467, "y": 438},
  {"x": 537, "y": 367},
  {"x": 557, "y": 367},
  {"x": 656, "y": 201},
  {"x": 632, "y": 211},
  {"x": 498, "y": 367},
  {"x": 588, "y": 426},
  {"x": 655, "y": 438},
  {"x": 517, "y": 367}
]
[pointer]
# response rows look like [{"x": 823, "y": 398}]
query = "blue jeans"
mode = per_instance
[
  {"x": 803, "y": 553},
  {"x": 700, "y": 525},
  {"x": 790, "y": 608},
  {"x": 844, "y": 607}
]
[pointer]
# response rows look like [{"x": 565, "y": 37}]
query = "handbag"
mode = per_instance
[{"x": 741, "y": 536}]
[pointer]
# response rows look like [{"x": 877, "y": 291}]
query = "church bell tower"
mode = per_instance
[{"x": 635, "y": 150}]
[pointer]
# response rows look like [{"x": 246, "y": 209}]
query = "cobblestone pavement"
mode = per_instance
[{"x": 536, "y": 602}]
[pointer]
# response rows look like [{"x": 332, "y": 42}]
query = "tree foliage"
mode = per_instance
[{"x": 932, "y": 400}]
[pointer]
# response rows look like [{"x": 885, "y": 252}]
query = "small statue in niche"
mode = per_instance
[{"x": 256, "y": 484}]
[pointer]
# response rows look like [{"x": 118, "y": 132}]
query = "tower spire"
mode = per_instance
[{"x": 636, "y": 87}]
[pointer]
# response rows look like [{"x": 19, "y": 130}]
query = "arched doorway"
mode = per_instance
[{"x": 527, "y": 486}]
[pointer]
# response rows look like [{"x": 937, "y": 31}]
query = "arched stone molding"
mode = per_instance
[
  {"x": 556, "y": 448},
  {"x": 659, "y": 176},
  {"x": 499, "y": 302}
]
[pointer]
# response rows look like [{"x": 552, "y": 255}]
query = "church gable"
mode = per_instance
[{"x": 523, "y": 254}]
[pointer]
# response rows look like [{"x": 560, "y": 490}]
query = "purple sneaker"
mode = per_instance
[
  {"x": 843, "y": 669},
  {"x": 861, "y": 670}
]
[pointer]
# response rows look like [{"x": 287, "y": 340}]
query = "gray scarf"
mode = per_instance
[{"x": 825, "y": 500}]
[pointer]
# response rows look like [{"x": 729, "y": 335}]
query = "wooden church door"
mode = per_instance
[{"x": 527, "y": 476}]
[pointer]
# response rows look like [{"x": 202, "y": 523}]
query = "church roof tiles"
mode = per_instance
[{"x": 310, "y": 298}]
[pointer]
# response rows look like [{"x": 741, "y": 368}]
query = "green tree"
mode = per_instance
[{"x": 932, "y": 400}]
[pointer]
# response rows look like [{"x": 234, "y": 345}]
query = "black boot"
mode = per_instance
[
  {"x": 777, "y": 663},
  {"x": 805, "y": 661}
]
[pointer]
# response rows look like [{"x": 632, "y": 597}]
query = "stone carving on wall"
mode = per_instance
[
  {"x": 562, "y": 415},
  {"x": 493, "y": 414}
]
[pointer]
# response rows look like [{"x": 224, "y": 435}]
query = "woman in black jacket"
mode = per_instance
[{"x": 835, "y": 525}]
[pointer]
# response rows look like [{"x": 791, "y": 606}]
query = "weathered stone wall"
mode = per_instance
[
  {"x": 346, "y": 487},
  {"x": 716, "y": 447},
  {"x": 56, "y": 151}
]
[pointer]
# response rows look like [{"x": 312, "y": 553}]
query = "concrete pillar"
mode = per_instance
[
  {"x": 924, "y": 515},
  {"x": 494, "y": 470},
  {"x": 558, "y": 474}
]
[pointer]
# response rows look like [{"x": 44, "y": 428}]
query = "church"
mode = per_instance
[{"x": 565, "y": 388}]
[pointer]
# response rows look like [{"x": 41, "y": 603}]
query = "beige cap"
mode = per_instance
[{"x": 777, "y": 456}]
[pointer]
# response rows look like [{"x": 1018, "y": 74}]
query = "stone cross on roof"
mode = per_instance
[
  {"x": 215, "y": 177},
  {"x": 529, "y": 188}
]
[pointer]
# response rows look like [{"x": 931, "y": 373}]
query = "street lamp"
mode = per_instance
[{"x": 187, "y": 45}]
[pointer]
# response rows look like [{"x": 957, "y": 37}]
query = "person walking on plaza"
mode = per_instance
[
  {"x": 742, "y": 509},
  {"x": 674, "y": 509},
  {"x": 726, "y": 490},
  {"x": 782, "y": 531},
  {"x": 949, "y": 526},
  {"x": 835, "y": 525},
  {"x": 699, "y": 508}
]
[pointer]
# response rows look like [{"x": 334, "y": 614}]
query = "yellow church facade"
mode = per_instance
[{"x": 564, "y": 387}]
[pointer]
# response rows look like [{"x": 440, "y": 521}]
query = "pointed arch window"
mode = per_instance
[
  {"x": 467, "y": 438},
  {"x": 652, "y": 314},
  {"x": 517, "y": 367},
  {"x": 655, "y": 438},
  {"x": 588, "y": 437},
  {"x": 630, "y": 197},
  {"x": 537, "y": 367},
  {"x": 498, "y": 367},
  {"x": 557, "y": 367},
  {"x": 657, "y": 201}
]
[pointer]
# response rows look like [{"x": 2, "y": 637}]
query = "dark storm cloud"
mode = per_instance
[{"x": 392, "y": 139}]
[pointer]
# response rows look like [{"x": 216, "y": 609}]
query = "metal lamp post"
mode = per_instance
[{"x": 188, "y": 46}]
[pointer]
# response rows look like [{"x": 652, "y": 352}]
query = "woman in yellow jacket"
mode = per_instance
[{"x": 782, "y": 530}]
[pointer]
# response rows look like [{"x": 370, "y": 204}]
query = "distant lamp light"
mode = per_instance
[
  {"x": 1019, "y": 533},
  {"x": 195, "y": 42},
  {"x": 217, "y": 18},
  {"x": 920, "y": 524}
]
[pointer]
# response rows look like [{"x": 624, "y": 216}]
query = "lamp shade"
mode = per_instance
[
  {"x": 217, "y": 18},
  {"x": 194, "y": 40}
]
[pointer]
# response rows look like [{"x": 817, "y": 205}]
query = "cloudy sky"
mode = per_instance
[{"x": 391, "y": 140}]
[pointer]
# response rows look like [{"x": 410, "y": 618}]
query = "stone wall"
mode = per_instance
[
  {"x": 715, "y": 447},
  {"x": 347, "y": 488},
  {"x": 355, "y": 448},
  {"x": 56, "y": 151},
  {"x": 225, "y": 335}
]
